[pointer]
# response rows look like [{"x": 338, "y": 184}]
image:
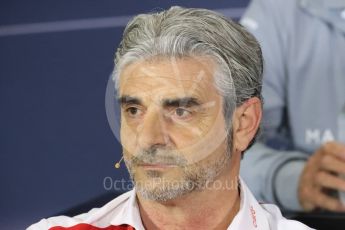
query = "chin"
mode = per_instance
[{"x": 162, "y": 192}]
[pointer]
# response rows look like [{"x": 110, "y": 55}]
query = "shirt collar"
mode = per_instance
[
  {"x": 250, "y": 216},
  {"x": 129, "y": 214}
]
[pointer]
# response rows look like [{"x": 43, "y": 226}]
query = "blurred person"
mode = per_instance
[
  {"x": 189, "y": 85},
  {"x": 301, "y": 153}
]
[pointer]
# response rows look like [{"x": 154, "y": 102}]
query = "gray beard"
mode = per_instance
[{"x": 196, "y": 177}]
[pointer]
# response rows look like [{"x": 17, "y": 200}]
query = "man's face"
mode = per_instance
[{"x": 172, "y": 126}]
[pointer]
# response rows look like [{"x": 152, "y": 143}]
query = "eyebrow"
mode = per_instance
[
  {"x": 175, "y": 102},
  {"x": 128, "y": 100},
  {"x": 181, "y": 102}
]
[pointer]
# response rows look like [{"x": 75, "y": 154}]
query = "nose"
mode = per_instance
[{"x": 153, "y": 130}]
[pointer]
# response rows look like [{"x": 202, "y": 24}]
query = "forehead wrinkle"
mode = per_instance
[
  {"x": 146, "y": 71},
  {"x": 195, "y": 83},
  {"x": 177, "y": 75},
  {"x": 198, "y": 91},
  {"x": 174, "y": 66}
]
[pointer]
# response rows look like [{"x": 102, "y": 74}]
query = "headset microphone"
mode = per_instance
[{"x": 117, "y": 165}]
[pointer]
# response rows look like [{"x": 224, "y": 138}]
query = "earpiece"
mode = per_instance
[{"x": 118, "y": 164}]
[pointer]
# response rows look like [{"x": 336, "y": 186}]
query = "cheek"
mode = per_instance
[
  {"x": 184, "y": 136},
  {"x": 213, "y": 139},
  {"x": 128, "y": 138},
  {"x": 198, "y": 132}
]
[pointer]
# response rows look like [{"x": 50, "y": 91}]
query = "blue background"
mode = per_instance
[{"x": 56, "y": 146}]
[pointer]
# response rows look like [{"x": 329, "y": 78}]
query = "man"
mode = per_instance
[
  {"x": 302, "y": 152},
  {"x": 189, "y": 85}
]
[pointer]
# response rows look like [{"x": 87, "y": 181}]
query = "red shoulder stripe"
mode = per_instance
[{"x": 91, "y": 227}]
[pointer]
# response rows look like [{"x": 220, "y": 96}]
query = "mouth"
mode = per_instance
[{"x": 147, "y": 166}]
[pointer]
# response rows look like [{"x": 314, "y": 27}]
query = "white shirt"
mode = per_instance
[{"x": 124, "y": 210}]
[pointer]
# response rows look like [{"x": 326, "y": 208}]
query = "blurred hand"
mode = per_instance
[{"x": 320, "y": 174}]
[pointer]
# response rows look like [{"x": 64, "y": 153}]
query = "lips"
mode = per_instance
[{"x": 158, "y": 166}]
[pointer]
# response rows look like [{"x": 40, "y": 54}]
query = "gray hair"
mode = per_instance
[{"x": 180, "y": 32}]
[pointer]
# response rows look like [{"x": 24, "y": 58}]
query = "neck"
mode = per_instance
[{"x": 211, "y": 208}]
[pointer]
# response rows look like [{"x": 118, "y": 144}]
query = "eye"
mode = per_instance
[
  {"x": 182, "y": 114},
  {"x": 133, "y": 112}
]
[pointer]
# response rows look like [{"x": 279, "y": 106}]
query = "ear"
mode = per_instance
[{"x": 246, "y": 121}]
